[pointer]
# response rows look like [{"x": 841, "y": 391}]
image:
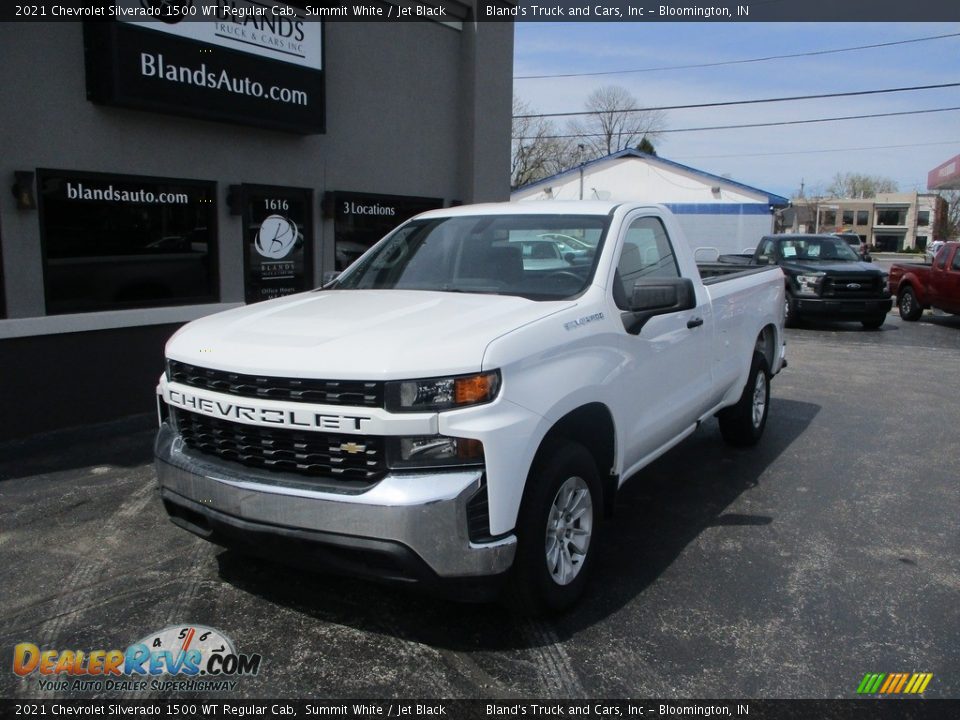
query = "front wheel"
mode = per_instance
[
  {"x": 873, "y": 323},
  {"x": 556, "y": 529},
  {"x": 742, "y": 424},
  {"x": 910, "y": 309}
]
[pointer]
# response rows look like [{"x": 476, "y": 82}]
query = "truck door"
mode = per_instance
[
  {"x": 945, "y": 281},
  {"x": 665, "y": 378}
]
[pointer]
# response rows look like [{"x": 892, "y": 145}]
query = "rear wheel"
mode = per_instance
[
  {"x": 910, "y": 309},
  {"x": 556, "y": 529},
  {"x": 742, "y": 424}
]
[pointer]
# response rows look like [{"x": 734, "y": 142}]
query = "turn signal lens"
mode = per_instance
[{"x": 475, "y": 389}]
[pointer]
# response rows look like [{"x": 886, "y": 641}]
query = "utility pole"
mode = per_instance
[{"x": 580, "y": 158}]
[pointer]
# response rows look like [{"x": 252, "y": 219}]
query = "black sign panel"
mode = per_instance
[
  {"x": 361, "y": 219},
  {"x": 278, "y": 241},
  {"x": 136, "y": 67},
  {"x": 113, "y": 242}
]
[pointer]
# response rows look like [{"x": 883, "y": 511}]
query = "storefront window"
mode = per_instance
[
  {"x": 112, "y": 242},
  {"x": 361, "y": 219},
  {"x": 278, "y": 230}
]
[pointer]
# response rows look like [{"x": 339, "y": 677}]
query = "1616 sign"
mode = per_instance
[{"x": 278, "y": 241}]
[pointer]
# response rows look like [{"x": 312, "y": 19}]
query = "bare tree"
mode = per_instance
[
  {"x": 614, "y": 123},
  {"x": 535, "y": 152},
  {"x": 859, "y": 186},
  {"x": 947, "y": 224}
]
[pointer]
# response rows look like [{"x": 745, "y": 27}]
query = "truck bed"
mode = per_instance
[{"x": 713, "y": 273}]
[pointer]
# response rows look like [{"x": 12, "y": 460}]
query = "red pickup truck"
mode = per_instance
[{"x": 937, "y": 285}]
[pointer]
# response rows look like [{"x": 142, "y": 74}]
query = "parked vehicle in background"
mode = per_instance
[
  {"x": 857, "y": 244},
  {"x": 542, "y": 255},
  {"x": 932, "y": 249},
  {"x": 918, "y": 285},
  {"x": 445, "y": 414},
  {"x": 824, "y": 278}
]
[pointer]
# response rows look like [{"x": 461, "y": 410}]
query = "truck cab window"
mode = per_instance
[{"x": 646, "y": 254}]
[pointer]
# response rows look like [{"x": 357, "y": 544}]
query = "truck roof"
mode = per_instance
[{"x": 542, "y": 207}]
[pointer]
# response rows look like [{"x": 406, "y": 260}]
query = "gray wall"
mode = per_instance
[{"x": 412, "y": 109}]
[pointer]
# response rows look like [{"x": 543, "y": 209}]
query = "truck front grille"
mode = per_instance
[
  {"x": 853, "y": 286},
  {"x": 315, "y": 454},
  {"x": 356, "y": 393}
]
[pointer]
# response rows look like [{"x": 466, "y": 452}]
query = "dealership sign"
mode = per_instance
[
  {"x": 278, "y": 241},
  {"x": 233, "y": 61}
]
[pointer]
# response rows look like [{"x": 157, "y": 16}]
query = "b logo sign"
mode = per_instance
[{"x": 277, "y": 237}]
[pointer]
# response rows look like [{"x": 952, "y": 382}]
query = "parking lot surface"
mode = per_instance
[{"x": 788, "y": 570}]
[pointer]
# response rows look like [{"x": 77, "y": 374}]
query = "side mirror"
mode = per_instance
[
  {"x": 657, "y": 297},
  {"x": 867, "y": 257},
  {"x": 569, "y": 257}
]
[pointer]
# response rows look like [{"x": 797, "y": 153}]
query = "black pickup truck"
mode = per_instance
[{"x": 825, "y": 278}]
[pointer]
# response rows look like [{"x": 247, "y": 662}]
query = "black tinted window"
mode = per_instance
[{"x": 116, "y": 242}]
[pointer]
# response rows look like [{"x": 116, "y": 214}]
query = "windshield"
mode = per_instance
[
  {"x": 832, "y": 249},
  {"x": 530, "y": 256}
]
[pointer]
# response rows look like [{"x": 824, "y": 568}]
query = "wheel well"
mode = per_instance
[
  {"x": 767, "y": 344},
  {"x": 592, "y": 426}
]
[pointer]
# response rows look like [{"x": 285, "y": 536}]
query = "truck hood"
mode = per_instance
[
  {"x": 357, "y": 334},
  {"x": 831, "y": 268}
]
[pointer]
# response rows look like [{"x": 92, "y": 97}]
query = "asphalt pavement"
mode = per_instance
[{"x": 785, "y": 571}]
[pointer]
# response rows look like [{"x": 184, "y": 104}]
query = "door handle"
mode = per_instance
[{"x": 695, "y": 322}]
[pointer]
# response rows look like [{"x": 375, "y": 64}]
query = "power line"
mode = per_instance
[
  {"x": 742, "y": 102},
  {"x": 809, "y": 152},
  {"x": 751, "y": 125},
  {"x": 738, "y": 62}
]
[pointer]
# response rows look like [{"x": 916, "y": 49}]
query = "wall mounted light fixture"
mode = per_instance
[{"x": 23, "y": 190}]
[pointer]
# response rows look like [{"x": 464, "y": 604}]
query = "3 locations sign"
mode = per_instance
[
  {"x": 236, "y": 61},
  {"x": 278, "y": 231},
  {"x": 360, "y": 219}
]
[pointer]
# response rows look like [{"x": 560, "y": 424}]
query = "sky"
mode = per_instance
[{"x": 775, "y": 159}]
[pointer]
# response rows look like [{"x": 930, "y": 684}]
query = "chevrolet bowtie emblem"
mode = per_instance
[{"x": 352, "y": 448}]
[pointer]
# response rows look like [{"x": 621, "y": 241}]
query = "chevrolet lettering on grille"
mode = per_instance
[{"x": 254, "y": 414}]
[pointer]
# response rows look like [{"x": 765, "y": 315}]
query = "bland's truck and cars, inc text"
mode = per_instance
[{"x": 453, "y": 410}]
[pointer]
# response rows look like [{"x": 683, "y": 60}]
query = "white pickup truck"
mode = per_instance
[{"x": 451, "y": 412}]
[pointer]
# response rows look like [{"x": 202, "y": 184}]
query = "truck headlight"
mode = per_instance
[
  {"x": 445, "y": 393},
  {"x": 808, "y": 284},
  {"x": 433, "y": 451}
]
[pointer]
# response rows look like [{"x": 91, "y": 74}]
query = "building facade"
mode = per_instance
[
  {"x": 161, "y": 172},
  {"x": 714, "y": 211},
  {"x": 889, "y": 222}
]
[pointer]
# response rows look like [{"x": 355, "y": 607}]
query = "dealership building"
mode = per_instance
[{"x": 161, "y": 171}]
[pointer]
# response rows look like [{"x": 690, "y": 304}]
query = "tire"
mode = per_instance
[
  {"x": 742, "y": 424},
  {"x": 553, "y": 561},
  {"x": 873, "y": 323},
  {"x": 910, "y": 308},
  {"x": 790, "y": 317}
]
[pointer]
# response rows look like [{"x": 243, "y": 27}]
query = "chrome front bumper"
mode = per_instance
[{"x": 423, "y": 513}]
